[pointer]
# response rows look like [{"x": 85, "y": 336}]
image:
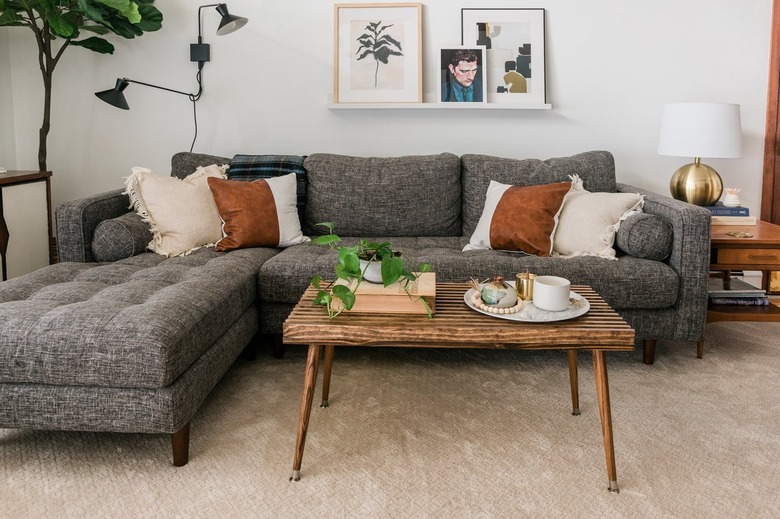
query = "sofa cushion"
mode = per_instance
[
  {"x": 519, "y": 219},
  {"x": 589, "y": 221},
  {"x": 181, "y": 213},
  {"x": 629, "y": 282},
  {"x": 397, "y": 196},
  {"x": 645, "y": 236},
  {"x": 120, "y": 237},
  {"x": 596, "y": 168},
  {"x": 136, "y": 323},
  {"x": 257, "y": 214},
  {"x": 185, "y": 163},
  {"x": 249, "y": 168}
]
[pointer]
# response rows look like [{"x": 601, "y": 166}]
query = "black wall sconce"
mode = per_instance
[{"x": 199, "y": 52}]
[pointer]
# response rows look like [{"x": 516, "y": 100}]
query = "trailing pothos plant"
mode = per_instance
[{"x": 337, "y": 297}]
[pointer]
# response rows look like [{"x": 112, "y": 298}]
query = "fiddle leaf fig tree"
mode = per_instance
[{"x": 59, "y": 24}]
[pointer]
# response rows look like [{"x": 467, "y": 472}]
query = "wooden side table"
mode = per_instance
[
  {"x": 759, "y": 252},
  {"x": 16, "y": 178}
]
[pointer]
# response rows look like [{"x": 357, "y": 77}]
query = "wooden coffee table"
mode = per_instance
[{"x": 455, "y": 325}]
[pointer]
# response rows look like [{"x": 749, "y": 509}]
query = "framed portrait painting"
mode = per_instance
[
  {"x": 377, "y": 53},
  {"x": 514, "y": 42},
  {"x": 461, "y": 73}
]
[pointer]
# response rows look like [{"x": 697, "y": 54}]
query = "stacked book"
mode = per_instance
[
  {"x": 735, "y": 292},
  {"x": 722, "y": 215},
  {"x": 396, "y": 298}
]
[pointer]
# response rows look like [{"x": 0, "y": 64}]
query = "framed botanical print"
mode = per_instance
[
  {"x": 514, "y": 42},
  {"x": 461, "y": 73},
  {"x": 377, "y": 53}
]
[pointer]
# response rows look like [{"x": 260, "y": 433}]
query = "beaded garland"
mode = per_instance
[{"x": 476, "y": 300}]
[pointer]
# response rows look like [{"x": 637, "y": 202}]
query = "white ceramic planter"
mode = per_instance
[{"x": 373, "y": 273}]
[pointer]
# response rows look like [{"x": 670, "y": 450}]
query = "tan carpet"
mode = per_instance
[{"x": 415, "y": 433}]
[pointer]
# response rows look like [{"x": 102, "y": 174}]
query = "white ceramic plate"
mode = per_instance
[{"x": 531, "y": 314}]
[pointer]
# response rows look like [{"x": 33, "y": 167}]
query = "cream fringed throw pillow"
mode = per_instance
[
  {"x": 182, "y": 214},
  {"x": 519, "y": 219},
  {"x": 589, "y": 221}
]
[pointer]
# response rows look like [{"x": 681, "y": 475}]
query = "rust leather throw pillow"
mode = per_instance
[
  {"x": 257, "y": 214},
  {"x": 519, "y": 218}
]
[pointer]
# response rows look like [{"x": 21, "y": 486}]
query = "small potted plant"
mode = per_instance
[{"x": 373, "y": 262}]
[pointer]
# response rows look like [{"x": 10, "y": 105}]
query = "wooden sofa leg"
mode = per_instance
[
  {"x": 648, "y": 351},
  {"x": 700, "y": 349},
  {"x": 277, "y": 346},
  {"x": 180, "y": 442},
  {"x": 250, "y": 352}
]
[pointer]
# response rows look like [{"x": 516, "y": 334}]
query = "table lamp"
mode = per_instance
[{"x": 711, "y": 130}]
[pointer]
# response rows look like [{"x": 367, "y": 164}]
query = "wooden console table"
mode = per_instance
[
  {"x": 16, "y": 178},
  {"x": 759, "y": 252}
]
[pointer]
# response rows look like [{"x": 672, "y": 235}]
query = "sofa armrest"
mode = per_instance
[
  {"x": 77, "y": 219},
  {"x": 690, "y": 256}
]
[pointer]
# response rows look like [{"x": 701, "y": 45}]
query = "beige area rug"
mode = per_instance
[{"x": 440, "y": 433}]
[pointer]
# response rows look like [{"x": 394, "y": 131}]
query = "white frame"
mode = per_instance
[
  {"x": 537, "y": 83},
  {"x": 404, "y": 83},
  {"x": 442, "y": 66}
]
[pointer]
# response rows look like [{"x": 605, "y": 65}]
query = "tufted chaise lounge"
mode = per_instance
[{"x": 133, "y": 345}]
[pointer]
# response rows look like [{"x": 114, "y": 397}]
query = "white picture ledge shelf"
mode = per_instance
[{"x": 433, "y": 105}]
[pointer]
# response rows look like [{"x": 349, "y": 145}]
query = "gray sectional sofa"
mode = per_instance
[{"x": 114, "y": 338}]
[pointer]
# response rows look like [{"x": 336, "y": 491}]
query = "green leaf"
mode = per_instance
[
  {"x": 328, "y": 225},
  {"x": 151, "y": 18},
  {"x": 90, "y": 11},
  {"x": 323, "y": 298},
  {"x": 126, "y": 8},
  {"x": 326, "y": 239},
  {"x": 349, "y": 259},
  {"x": 315, "y": 281},
  {"x": 341, "y": 273},
  {"x": 10, "y": 17},
  {"x": 59, "y": 25},
  {"x": 97, "y": 29},
  {"x": 392, "y": 268},
  {"x": 95, "y": 44},
  {"x": 424, "y": 267},
  {"x": 346, "y": 296}
]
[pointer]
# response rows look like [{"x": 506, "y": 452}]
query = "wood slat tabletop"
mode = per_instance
[{"x": 455, "y": 325}]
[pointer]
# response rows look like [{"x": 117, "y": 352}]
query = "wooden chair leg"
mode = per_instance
[
  {"x": 648, "y": 351},
  {"x": 180, "y": 443},
  {"x": 700, "y": 348}
]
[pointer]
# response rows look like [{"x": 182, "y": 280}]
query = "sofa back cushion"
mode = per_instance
[
  {"x": 595, "y": 168},
  {"x": 185, "y": 163},
  {"x": 394, "y": 196}
]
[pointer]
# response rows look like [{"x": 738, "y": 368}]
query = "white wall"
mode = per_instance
[
  {"x": 7, "y": 136},
  {"x": 611, "y": 66}
]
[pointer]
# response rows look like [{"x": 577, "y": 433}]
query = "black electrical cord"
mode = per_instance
[{"x": 194, "y": 98}]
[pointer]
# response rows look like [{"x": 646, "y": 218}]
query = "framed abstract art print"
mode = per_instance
[{"x": 514, "y": 39}]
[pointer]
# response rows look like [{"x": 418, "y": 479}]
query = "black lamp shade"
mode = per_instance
[
  {"x": 114, "y": 96},
  {"x": 229, "y": 22}
]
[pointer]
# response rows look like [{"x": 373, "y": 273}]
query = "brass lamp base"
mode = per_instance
[{"x": 696, "y": 184}]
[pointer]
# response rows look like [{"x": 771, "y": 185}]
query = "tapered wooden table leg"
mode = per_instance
[
  {"x": 574, "y": 382},
  {"x": 309, "y": 382},
  {"x": 602, "y": 392},
  {"x": 326, "y": 374}
]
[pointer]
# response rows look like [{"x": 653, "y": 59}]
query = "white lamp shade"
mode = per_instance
[{"x": 701, "y": 130}]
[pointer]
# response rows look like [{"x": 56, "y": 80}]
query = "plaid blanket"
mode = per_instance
[{"x": 249, "y": 168}]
